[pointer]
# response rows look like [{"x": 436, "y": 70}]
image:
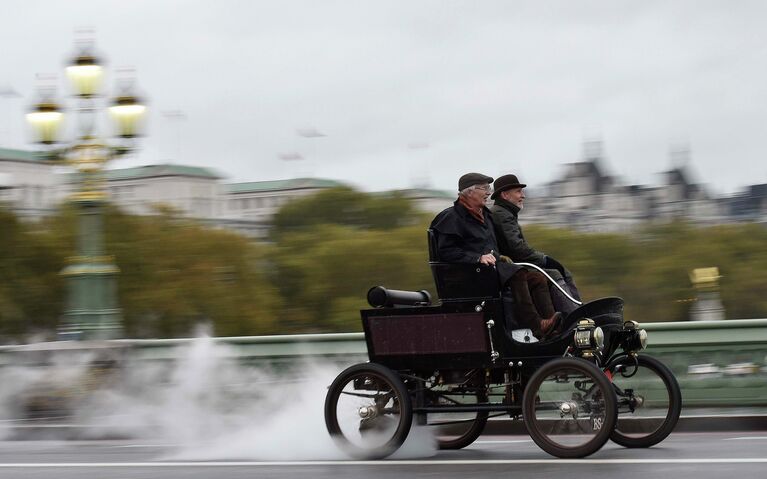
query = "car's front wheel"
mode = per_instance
[
  {"x": 569, "y": 408},
  {"x": 649, "y": 401}
]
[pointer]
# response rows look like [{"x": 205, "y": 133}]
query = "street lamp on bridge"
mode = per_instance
[{"x": 92, "y": 310}]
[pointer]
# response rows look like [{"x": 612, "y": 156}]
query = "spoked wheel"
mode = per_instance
[
  {"x": 456, "y": 430},
  {"x": 569, "y": 408},
  {"x": 649, "y": 401},
  {"x": 368, "y": 411}
]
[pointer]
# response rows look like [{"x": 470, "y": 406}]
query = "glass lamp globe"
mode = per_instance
[
  {"x": 46, "y": 119},
  {"x": 86, "y": 75},
  {"x": 127, "y": 113}
]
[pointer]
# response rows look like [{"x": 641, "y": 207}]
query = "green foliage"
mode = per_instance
[
  {"x": 650, "y": 269},
  {"x": 31, "y": 290},
  {"x": 325, "y": 272},
  {"x": 176, "y": 274},
  {"x": 345, "y": 206},
  {"x": 326, "y": 251}
]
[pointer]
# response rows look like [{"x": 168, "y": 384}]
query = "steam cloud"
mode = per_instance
[{"x": 205, "y": 405}]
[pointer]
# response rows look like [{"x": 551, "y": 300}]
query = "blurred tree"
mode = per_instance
[
  {"x": 331, "y": 247},
  {"x": 174, "y": 274},
  {"x": 601, "y": 263},
  {"x": 650, "y": 269},
  {"x": 327, "y": 251},
  {"x": 345, "y": 206},
  {"x": 177, "y": 273},
  {"x": 31, "y": 290},
  {"x": 324, "y": 272}
]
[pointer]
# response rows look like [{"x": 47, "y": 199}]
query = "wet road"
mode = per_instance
[{"x": 682, "y": 456}]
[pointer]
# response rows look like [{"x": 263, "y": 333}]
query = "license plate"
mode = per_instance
[{"x": 596, "y": 423}]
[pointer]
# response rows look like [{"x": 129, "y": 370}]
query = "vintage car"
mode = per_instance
[{"x": 453, "y": 364}]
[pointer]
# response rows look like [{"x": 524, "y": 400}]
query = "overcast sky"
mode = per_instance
[{"x": 418, "y": 92}]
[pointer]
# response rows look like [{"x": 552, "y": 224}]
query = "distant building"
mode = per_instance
[
  {"x": 32, "y": 187},
  {"x": 250, "y": 206},
  {"x": 678, "y": 197},
  {"x": 193, "y": 191},
  {"x": 583, "y": 197},
  {"x": 748, "y": 205},
  {"x": 28, "y": 183},
  {"x": 429, "y": 200}
]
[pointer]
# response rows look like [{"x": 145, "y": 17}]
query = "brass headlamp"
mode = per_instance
[{"x": 588, "y": 335}]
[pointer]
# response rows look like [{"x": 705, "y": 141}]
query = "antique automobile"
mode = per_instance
[{"x": 454, "y": 364}]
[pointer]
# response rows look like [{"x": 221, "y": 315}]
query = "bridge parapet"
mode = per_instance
[{"x": 718, "y": 363}]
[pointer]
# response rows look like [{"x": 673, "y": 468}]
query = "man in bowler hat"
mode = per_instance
[
  {"x": 465, "y": 234},
  {"x": 509, "y": 199}
]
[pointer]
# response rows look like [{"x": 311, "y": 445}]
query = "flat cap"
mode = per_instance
[{"x": 471, "y": 179}]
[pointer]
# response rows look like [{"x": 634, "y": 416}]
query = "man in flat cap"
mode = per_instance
[
  {"x": 509, "y": 199},
  {"x": 465, "y": 234},
  {"x": 465, "y": 230}
]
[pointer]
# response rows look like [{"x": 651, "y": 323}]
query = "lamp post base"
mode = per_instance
[
  {"x": 91, "y": 325},
  {"x": 92, "y": 310}
]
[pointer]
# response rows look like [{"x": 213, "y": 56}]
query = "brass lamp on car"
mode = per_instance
[{"x": 588, "y": 336}]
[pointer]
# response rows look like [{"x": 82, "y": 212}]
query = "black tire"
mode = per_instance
[
  {"x": 460, "y": 430},
  {"x": 660, "y": 401},
  {"x": 555, "y": 403},
  {"x": 379, "y": 392}
]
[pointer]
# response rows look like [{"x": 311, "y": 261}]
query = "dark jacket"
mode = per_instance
[
  {"x": 462, "y": 238},
  {"x": 509, "y": 235}
]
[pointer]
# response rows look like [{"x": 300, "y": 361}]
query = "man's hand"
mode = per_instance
[{"x": 487, "y": 259}]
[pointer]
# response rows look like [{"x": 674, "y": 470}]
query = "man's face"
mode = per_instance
[
  {"x": 479, "y": 195},
  {"x": 515, "y": 196}
]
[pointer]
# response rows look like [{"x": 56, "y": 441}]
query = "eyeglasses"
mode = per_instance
[{"x": 487, "y": 187}]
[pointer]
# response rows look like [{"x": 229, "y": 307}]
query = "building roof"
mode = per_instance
[
  {"x": 154, "y": 171},
  {"x": 681, "y": 177},
  {"x": 21, "y": 155},
  {"x": 676, "y": 176},
  {"x": 586, "y": 169},
  {"x": 758, "y": 191},
  {"x": 277, "y": 185},
  {"x": 633, "y": 190}
]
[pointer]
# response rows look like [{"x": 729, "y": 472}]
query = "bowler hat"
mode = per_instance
[
  {"x": 505, "y": 182},
  {"x": 471, "y": 179}
]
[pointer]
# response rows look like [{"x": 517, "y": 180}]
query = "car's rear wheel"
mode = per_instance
[
  {"x": 569, "y": 408},
  {"x": 456, "y": 430},
  {"x": 649, "y": 401},
  {"x": 368, "y": 411}
]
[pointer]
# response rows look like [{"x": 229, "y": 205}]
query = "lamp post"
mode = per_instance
[
  {"x": 92, "y": 310},
  {"x": 708, "y": 304}
]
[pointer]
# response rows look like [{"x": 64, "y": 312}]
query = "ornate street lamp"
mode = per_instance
[{"x": 92, "y": 310}]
